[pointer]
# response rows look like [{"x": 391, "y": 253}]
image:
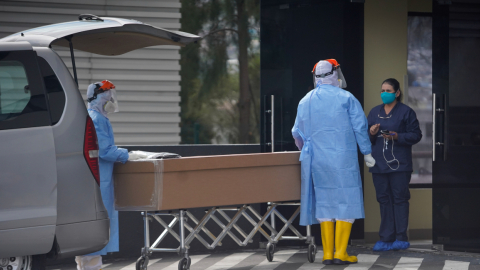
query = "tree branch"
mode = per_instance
[{"x": 220, "y": 30}]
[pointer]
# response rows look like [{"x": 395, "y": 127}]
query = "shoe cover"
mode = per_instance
[
  {"x": 88, "y": 262},
  {"x": 382, "y": 246},
  {"x": 399, "y": 245}
]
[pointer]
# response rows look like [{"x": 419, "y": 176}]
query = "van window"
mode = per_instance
[
  {"x": 22, "y": 98},
  {"x": 55, "y": 92},
  {"x": 14, "y": 87}
]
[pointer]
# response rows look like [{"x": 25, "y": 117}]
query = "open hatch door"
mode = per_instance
[{"x": 102, "y": 35}]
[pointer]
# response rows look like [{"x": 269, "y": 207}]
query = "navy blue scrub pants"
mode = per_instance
[{"x": 393, "y": 195}]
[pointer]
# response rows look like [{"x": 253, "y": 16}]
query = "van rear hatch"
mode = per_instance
[{"x": 102, "y": 35}]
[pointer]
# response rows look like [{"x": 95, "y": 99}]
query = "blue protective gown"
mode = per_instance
[
  {"x": 330, "y": 122},
  {"x": 108, "y": 155}
]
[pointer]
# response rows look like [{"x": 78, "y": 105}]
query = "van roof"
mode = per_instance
[{"x": 102, "y": 35}]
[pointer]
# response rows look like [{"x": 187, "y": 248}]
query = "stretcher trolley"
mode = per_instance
[{"x": 166, "y": 189}]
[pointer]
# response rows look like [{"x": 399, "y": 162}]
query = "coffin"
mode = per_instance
[{"x": 192, "y": 182}]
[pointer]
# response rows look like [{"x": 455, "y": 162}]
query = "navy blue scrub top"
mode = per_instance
[{"x": 402, "y": 120}]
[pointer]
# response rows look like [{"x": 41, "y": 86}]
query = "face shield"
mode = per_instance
[
  {"x": 328, "y": 72},
  {"x": 341, "y": 79},
  {"x": 111, "y": 106},
  {"x": 103, "y": 95}
]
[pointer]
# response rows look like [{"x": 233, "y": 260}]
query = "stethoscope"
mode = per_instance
[{"x": 385, "y": 147}]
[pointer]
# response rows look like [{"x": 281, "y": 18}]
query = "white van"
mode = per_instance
[{"x": 50, "y": 201}]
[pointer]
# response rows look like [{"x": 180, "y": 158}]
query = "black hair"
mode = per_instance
[{"x": 396, "y": 86}]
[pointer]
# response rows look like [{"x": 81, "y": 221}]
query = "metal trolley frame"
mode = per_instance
[{"x": 246, "y": 211}]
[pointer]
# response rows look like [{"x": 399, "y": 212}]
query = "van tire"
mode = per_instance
[{"x": 39, "y": 262}]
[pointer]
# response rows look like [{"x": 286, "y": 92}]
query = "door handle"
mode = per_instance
[
  {"x": 445, "y": 127},
  {"x": 270, "y": 112},
  {"x": 272, "y": 120},
  {"x": 434, "y": 124}
]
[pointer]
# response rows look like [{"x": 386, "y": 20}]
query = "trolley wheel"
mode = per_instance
[
  {"x": 140, "y": 264},
  {"x": 184, "y": 264},
  {"x": 270, "y": 251},
  {"x": 312, "y": 251}
]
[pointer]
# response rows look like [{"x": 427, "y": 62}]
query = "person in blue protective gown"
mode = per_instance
[
  {"x": 394, "y": 128},
  {"x": 330, "y": 123},
  {"x": 102, "y": 100}
]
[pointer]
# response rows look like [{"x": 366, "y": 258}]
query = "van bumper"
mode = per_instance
[
  {"x": 26, "y": 241},
  {"x": 82, "y": 238}
]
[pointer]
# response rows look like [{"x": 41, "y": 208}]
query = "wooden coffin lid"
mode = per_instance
[{"x": 212, "y": 162}]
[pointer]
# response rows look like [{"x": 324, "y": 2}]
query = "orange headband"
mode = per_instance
[{"x": 107, "y": 85}]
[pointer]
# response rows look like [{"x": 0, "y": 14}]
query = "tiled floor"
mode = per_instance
[{"x": 420, "y": 256}]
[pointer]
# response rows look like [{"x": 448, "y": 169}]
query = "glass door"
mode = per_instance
[
  {"x": 419, "y": 93},
  {"x": 456, "y": 125}
]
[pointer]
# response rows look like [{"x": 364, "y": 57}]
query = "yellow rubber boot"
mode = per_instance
[
  {"x": 342, "y": 234},
  {"x": 328, "y": 236}
]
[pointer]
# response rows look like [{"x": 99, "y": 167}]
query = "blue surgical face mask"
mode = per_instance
[{"x": 388, "y": 98}]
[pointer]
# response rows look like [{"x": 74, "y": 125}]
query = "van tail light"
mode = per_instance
[{"x": 90, "y": 149}]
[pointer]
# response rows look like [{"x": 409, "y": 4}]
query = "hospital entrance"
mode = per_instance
[{"x": 431, "y": 48}]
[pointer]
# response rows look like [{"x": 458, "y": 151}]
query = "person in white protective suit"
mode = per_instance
[
  {"x": 102, "y": 100},
  {"x": 330, "y": 123}
]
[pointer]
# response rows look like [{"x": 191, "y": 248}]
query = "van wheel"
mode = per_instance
[
  {"x": 36, "y": 262},
  {"x": 16, "y": 263}
]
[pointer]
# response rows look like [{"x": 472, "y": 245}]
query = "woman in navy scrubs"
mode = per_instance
[{"x": 393, "y": 128}]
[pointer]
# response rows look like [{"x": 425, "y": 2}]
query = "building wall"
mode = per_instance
[
  {"x": 420, "y": 6},
  {"x": 385, "y": 53},
  {"x": 147, "y": 80}
]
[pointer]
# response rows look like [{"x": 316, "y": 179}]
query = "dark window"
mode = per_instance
[
  {"x": 22, "y": 98},
  {"x": 55, "y": 92}
]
